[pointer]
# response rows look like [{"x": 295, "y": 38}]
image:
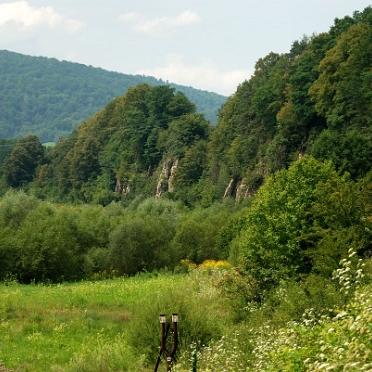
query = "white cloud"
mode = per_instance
[
  {"x": 204, "y": 76},
  {"x": 159, "y": 26},
  {"x": 185, "y": 18},
  {"x": 28, "y": 17},
  {"x": 128, "y": 16}
]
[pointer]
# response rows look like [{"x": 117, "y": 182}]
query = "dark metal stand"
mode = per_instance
[{"x": 169, "y": 353}]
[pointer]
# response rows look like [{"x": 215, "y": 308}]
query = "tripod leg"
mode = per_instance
[{"x": 161, "y": 350}]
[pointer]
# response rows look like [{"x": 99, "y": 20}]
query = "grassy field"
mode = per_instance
[
  {"x": 108, "y": 325},
  {"x": 112, "y": 325}
]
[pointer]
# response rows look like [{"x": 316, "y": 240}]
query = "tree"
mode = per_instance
[
  {"x": 192, "y": 166},
  {"x": 6, "y": 148},
  {"x": 182, "y": 133},
  {"x": 341, "y": 211},
  {"x": 180, "y": 105},
  {"x": 47, "y": 246},
  {"x": 341, "y": 93},
  {"x": 139, "y": 244},
  {"x": 196, "y": 238},
  {"x": 277, "y": 219},
  {"x": 19, "y": 168},
  {"x": 157, "y": 100},
  {"x": 350, "y": 152}
]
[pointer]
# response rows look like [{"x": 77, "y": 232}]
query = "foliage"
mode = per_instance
[
  {"x": 6, "y": 148},
  {"x": 295, "y": 103},
  {"x": 121, "y": 146},
  {"x": 333, "y": 338},
  {"x": 139, "y": 245},
  {"x": 196, "y": 236},
  {"x": 240, "y": 287},
  {"x": 276, "y": 220},
  {"x": 48, "y": 246},
  {"x": 350, "y": 151},
  {"x": 19, "y": 168},
  {"x": 40, "y": 241},
  {"x": 225, "y": 354},
  {"x": 298, "y": 295},
  {"x": 182, "y": 133},
  {"x": 14, "y": 208},
  {"x": 341, "y": 211},
  {"x": 50, "y": 98},
  {"x": 340, "y": 92},
  {"x": 186, "y": 298},
  {"x": 192, "y": 166}
]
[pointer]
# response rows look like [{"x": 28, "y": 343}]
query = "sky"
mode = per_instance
[{"x": 209, "y": 45}]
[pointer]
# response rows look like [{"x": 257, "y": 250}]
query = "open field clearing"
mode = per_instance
[{"x": 110, "y": 325}]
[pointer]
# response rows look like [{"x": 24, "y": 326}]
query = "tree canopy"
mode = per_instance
[
  {"x": 50, "y": 98},
  {"x": 315, "y": 100}
]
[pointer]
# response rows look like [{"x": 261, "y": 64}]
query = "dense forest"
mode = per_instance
[
  {"x": 314, "y": 100},
  {"x": 49, "y": 98},
  {"x": 279, "y": 193}
]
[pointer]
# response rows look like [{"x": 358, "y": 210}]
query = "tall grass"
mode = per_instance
[
  {"x": 108, "y": 325},
  {"x": 112, "y": 325}
]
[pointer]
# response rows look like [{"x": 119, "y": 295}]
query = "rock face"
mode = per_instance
[
  {"x": 245, "y": 188},
  {"x": 170, "y": 179},
  {"x": 238, "y": 190},
  {"x": 121, "y": 188},
  {"x": 166, "y": 177},
  {"x": 230, "y": 189},
  {"x": 243, "y": 191}
]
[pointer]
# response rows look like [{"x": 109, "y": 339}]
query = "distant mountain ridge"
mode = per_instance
[{"x": 50, "y": 98}]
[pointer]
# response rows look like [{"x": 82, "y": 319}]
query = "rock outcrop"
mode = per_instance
[
  {"x": 121, "y": 188},
  {"x": 245, "y": 188},
  {"x": 166, "y": 177},
  {"x": 230, "y": 189}
]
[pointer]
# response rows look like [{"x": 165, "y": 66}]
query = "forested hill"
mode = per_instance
[
  {"x": 49, "y": 98},
  {"x": 313, "y": 100}
]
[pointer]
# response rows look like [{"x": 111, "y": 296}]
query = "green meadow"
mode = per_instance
[
  {"x": 109, "y": 325},
  {"x": 112, "y": 325}
]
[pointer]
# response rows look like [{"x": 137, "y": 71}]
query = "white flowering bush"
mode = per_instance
[
  {"x": 338, "y": 338},
  {"x": 342, "y": 343},
  {"x": 331, "y": 340},
  {"x": 224, "y": 355},
  {"x": 349, "y": 276}
]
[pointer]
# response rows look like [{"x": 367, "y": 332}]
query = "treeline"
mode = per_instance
[
  {"x": 49, "y": 98},
  {"x": 312, "y": 100},
  {"x": 301, "y": 224},
  {"x": 43, "y": 242}
]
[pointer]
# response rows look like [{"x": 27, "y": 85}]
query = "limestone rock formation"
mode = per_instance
[{"x": 166, "y": 177}]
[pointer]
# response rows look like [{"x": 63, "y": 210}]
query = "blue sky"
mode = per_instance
[{"x": 210, "y": 45}]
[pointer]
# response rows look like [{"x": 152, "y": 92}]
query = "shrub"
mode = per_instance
[
  {"x": 195, "y": 301},
  {"x": 47, "y": 246}
]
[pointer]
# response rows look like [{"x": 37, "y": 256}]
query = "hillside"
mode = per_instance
[
  {"x": 151, "y": 141},
  {"x": 314, "y": 100},
  {"x": 49, "y": 98}
]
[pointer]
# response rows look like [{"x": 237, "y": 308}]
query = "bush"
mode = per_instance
[
  {"x": 192, "y": 300},
  {"x": 140, "y": 245},
  {"x": 47, "y": 246},
  {"x": 14, "y": 208}
]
